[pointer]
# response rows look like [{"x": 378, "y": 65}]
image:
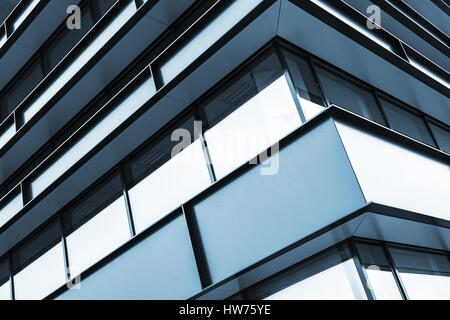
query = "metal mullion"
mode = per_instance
[
  {"x": 424, "y": 118},
  {"x": 395, "y": 273},
  {"x": 127, "y": 203},
  {"x": 361, "y": 272},
  {"x": 380, "y": 107},
  {"x": 11, "y": 278},
  {"x": 290, "y": 81},
  {"x": 317, "y": 78},
  {"x": 201, "y": 116},
  {"x": 197, "y": 247},
  {"x": 65, "y": 251}
]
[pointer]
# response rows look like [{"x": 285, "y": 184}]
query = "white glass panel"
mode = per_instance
[
  {"x": 254, "y": 127},
  {"x": 7, "y": 135},
  {"x": 80, "y": 61},
  {"x": 383, "y": 285},
  {"x": 205, "y": 38},
  {"x": 5, "y": 291},
  {"x": 339, "y": 282},
  {"x": 10, "y": 209},
  {"x": 426, "y": 286},
  {"x": 42, "y": 276},
  {"x": 125, "y": 109},
  {"x": 98, "y": 237},
  {"x": 25, "y": 14},
  {"x": 368, "y": 33},
  {"x": 171, "y": 185}
]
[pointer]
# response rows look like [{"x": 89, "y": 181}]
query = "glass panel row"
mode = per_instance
[{"x": 387, "y": 273}]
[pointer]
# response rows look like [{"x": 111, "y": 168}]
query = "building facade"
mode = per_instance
[{"x": 224, "y": 149}]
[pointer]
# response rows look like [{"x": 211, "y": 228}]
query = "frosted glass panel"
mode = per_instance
[
  {"x": 206, "y": 37},
  {"x": 7, "y": 135},
  {"x": 171, "y": 185},
  {"x": 255, "y": 126},
  {"x": 125, "y": 109},
  {"x": 98, "y": 237},
  {"x": 11, "y": 209},
  {"x": 25, "y": 14},
  {"x": 41, "y": 277},
  {"x": 80, "y": 61}
]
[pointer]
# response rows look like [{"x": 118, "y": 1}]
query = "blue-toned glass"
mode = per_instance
[
  {"x": 424, "y": 275},
  {"x": 206, "y": 37}
]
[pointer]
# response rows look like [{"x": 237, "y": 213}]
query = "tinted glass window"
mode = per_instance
[
  {"x": 308, "y": 91},
  {"x": 349, "y": 96},
  {"x": 166, "y": 175},
  {"x": 22, "y": 86},
  {"x": 96, "y": 225},
  {"x": 5, "y": 288},
  {"x": 442, "y": 137},
  {"x": 406, "y": 122},
  {"x": 249, "y": 116},
  {"x": 38, "y": 265},
  {"x": 424, "y": 275},
  {"x": 63, "y": 43},
  {"x": 105, "y": 5},
  {"x": 331, "y": 275},
  {"x": 379, "y": 274}
]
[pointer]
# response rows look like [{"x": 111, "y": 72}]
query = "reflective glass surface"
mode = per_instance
[
  {"x": 162, "y": 179},
  {"x": 332, "y": 275},
  {"x": 442, "y": 137},
  {"x": 250, "y": 116},
  {"x": 308, "y": 92},
  {"x": 96, "y": 225},
  {"x": 406, "y": 122},
  {"x": 38, "y": 265},
  {"x": 349, "y": 96},
  {"x": 10, "y": 209},
  {"x": 18, "y": 21},
  {"x": 380, "y": 277},
  {"x": 425, "y": 275},
  {"x": 81, "y": 60},
  {"x": 5, "y": 284},
  {"x": 206, "y": 37},
  {"x": 111, "y": 121},
  {"x": 7, "y": 135}
]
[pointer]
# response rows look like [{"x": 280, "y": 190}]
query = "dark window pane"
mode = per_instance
[
  {"x": 23, "y": 85},
  {"x": 61, "y": 45},
  {"x": 5, "y": 288},
  {"x": 36, "y": 246},
  {"x": 442, "y": 137},
  {"x": 39, "y": 265},
  {"x": 243, "y": 89},
  {"x": 156, "y": 154},
  {"x": 406, "y": 122},
  {"x": 96, "y": 225},
  {"x": 105, "y": 5},
  {"x": 424, "y": 275},
  {"x": 349, "y": 96},
  {"x": 310, "y": 97},
  {"x": 4, "y": 271},
  {"x": 92, "y": 203}
]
